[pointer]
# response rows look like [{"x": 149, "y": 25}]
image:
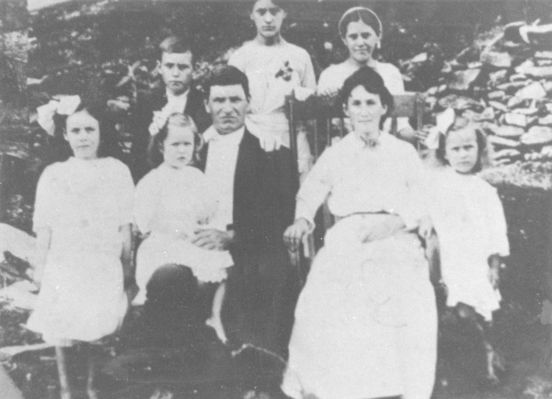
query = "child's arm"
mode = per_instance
[
  {"x": 146, "y": 200},
  {"x": 126, "y": 206},
  {"x": 126, "y": 251},
  {"x": 43, "y": 217},
  {"x": 495, "y": 263},
  {"x": 309, "y": 79},
  {"x": 43, "y": 239},
  {"x": 500, "y": 247},
  {"x": 433, "y": 258},
  {"x": 127, "y": 261}
]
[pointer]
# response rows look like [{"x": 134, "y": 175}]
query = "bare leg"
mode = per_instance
[
  {"x": 91, "y": 390},
  {"x": 215, "y": 320},
  {"x": 494, "y": 360},
  {"x": 7, "y": 386},
  {"x": 64, "y": 386}
]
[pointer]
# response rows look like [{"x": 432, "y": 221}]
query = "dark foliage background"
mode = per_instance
[{"x": 107, "y": 49}]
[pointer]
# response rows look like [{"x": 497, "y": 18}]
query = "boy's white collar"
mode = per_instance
[{"x": 171, "y": 96}]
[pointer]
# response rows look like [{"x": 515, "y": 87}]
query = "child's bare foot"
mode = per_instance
[
  {"x": 65, "y": 394},
  {"x": 494, "y": 362},
  {"x": 162, "y": 394},
  {"x": 92, "y": 393},
  {"x": 216, "y": 324},
  {"x": 252, "y": 394},
  {"x": 499, "y": 362}
]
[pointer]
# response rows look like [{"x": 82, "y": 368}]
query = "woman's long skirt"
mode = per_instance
[{"x": 365, "y": 323}]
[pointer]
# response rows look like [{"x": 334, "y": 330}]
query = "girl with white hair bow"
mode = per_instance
[{"x": 82, "y": 220}]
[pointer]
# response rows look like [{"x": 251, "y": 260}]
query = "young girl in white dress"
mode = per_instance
[
  {"x": 82, "y": 220},
  {"x": 469, "y": 220},
  {"x": 172, "y": 202}
]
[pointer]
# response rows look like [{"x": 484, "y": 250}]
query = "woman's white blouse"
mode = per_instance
[{"x": 358, "y": 178}]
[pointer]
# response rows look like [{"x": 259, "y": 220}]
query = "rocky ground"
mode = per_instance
[{"x": 213, "y": 371}]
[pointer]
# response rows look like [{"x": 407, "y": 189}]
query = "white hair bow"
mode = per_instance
[
  {"x": 444, "y": 121},
  {"x": 61, "y": 105},
  {"x": 161, "y": 117}
]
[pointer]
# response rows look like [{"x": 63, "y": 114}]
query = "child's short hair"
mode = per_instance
[
  {"x": 155, "y": 155},
  {"x": 109, "y": 145},
  {"x": 278, "y": 3},
  {"x": 175, "y": 44},
  {"x": 481, "y": 139},
  {"x": 227, "y": 75}
]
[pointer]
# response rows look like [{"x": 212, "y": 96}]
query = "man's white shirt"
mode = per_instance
[{"x": 220, "y": 169}]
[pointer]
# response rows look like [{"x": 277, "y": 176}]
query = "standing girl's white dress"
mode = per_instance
[
  {"x": 170, "y": 204},
  {"x": 469, "y": 220},
  {"x": 84, "y": 203},
  {"x": 268, "y": 87},
  {"x": 274, "y": 72}
]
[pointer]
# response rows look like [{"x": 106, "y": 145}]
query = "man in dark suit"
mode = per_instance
[
  {"x": 256, "y": 194},
  {"x": 175, "y": 65}
]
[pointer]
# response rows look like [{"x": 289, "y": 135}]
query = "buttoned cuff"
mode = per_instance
[
  {"x": 310, "y": 223},
  {"x": 302, "y": 211}
]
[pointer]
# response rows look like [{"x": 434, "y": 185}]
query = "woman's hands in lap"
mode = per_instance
[{"x": 378, "y": 227}]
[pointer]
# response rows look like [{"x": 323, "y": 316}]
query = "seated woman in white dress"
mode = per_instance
[
  {"x": 365, "y": 323},
  {"x": 361, "y": 31}
]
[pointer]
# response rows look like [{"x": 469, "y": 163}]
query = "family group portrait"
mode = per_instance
[{"x": 265, "y": 199}]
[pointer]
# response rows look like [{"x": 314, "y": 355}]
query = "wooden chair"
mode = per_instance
[
  {"x": 321, "y": 118},
  {"x": 326, "y": 122}
]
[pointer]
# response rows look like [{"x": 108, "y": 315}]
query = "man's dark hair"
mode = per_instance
[
  {"x": 278, "y": 3},
  {"x": 227, "y": 75}
]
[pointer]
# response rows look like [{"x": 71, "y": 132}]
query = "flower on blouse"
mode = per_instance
[{"x": 285, "y": 72}]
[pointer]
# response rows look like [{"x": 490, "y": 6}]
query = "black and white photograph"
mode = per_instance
[{"x": 265, "y": 199}]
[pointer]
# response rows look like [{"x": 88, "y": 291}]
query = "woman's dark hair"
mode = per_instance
[
  {"x": 359, "y": 14},
  {"x": 480, "y": 137},
  {"x": 109, "y": 145},
  {"x": 372, "y": 83},
  {"x": 227, "y": 75},
  {"x": 155, "y": 153}
]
